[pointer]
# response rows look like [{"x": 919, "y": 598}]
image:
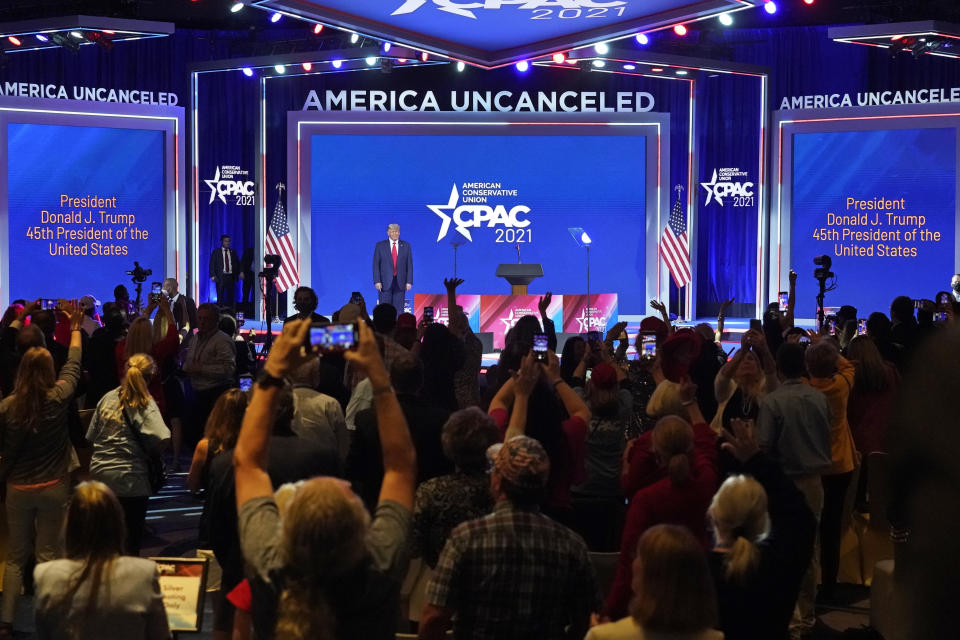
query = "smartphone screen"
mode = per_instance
[
  {"x": 428, "y": 314},
  {"x": 648, "y": 345},
  {"x": 943, "y": 299},
  {"x": 782, "y": 298},
  {"x": 48, "y": 303},
  {"x": 245, "y": 383},
  {"x": 155, "y": 288},
  {"x": 334, "y": 337},
  {"x": 940, "y": 316},
  {"x": 861, "y": 326},
  {"x": 540, "y": 347},
  {"x": 239, "y": 318},
  {"x": 756, "y": 324}
]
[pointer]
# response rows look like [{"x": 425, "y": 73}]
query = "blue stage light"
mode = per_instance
[
  {"x": 523, "y": 66},
  {"x": 461, "y": 66},
  {"x": 770, "y": 7},
  {"x": 279, "y": 68},
  {"x": 276, "y": 17},
  {"x": 371, "y": 60},
  {"x": 600, "y": 64},
  {"x": 247, "y": 71},
  {"x": 601, "y": 48},
  {"x": 386, "y": 47},
  {"x": 42, "y": 38},
  {"x": 629, "y": 67},
  {"x": 642, "y": 39},
  {"x": 236, "y": 7},
  {"x": 725, "y": 19},
  {"x": 336, "y": 63}
]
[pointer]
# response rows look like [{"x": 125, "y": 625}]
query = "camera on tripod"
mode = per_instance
[
  {"x": 271, "y": 267},
  {"x": 138, "y": 273},
  {"x": 823, "y": 264}
]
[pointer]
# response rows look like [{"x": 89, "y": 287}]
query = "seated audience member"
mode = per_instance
[
  {"x": 317, "y": 416},
  {"x": 90, "y": 321},
  {"x": 834, "y": 376},
  {"x": 211, "y": 363},
  {"x": 426, "y": 420},
  {"x": 305, "y": 302},
  {"x": 764, "y": 535},
  {"x": 673, "y": 591},
  {"x": 183, "y": 306},
  {"x": 743, "y": 382},
  {"x": 794, "y": 429},
  {"x": 598, "y": 502},
  {"x": 100, "y": 357},
  {"x": 96, "y": 591},
  {"x": 533, "y": 403},
  {"x": 689, "y": 455},
  {"x": 514, "y": 573},
  {"x": 870, "y": 408},
  {"x": 121, "y": 457},
  {"x": 444, "y": 502},
  {"x": 37, "y": 459},
  {"x": 324, "y": 570}
]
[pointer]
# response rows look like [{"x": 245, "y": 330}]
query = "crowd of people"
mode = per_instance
[{"x": 721, "y": 480}]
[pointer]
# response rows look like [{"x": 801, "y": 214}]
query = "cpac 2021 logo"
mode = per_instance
[
  {"x": 466, "y": 9},
  {"x": 726, "y": 184},
  {"x": 226, "y": 183},
  {"x": 513, "y": 227}
]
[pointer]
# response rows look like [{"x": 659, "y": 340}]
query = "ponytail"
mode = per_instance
[
  {"x": 304, "y": 614},
  {"x": 742, "y": 559},
  {"x": 678, "y": 468},
  {"x": 134, "y": 391},
  {"x": 740, "y": 520}
]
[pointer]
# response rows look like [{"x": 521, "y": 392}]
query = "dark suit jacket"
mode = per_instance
[
  {"x": 185, "y": 310},
  {"x": 216, "y": 263},
  {"x": 383, "y": 263},
  {"x": 314, "y": 317}
]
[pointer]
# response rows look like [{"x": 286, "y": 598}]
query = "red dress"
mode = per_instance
[{"x": 161, "y": 352}]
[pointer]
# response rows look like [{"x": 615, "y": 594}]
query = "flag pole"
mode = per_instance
[
  {"x": 679, "y": 189},
  {"x": 276, "y": 294}
]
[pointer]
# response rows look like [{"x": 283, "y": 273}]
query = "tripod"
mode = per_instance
[{"x": 821, "y": 317}]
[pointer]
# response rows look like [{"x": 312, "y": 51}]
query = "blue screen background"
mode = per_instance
[
  {"x": 916, "y": 164},
  {"x": 362, "y": 183},
  {"x": 48, "y": 160}
]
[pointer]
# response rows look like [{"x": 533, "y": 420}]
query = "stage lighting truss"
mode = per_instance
[
  {"x": 73, "y": 32},
  {"x": 928, "y": 37}
]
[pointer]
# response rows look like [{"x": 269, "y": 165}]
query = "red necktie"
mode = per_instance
[{"x": 394, "y": 258}]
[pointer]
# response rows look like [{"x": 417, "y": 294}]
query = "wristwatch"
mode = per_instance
[{"x": 265, "y": 380}]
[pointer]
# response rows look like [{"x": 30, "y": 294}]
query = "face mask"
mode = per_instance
[{"x": 956, "y": 287}]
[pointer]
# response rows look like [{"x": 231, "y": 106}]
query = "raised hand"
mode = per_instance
[
  {"x": 793, "y": 277},
  {"x": 288, "y": 351},
  {"x": 73, "y": 312},
  {"x": 451, "y": 284},
  {"x": 551, "y": 368},
  {"x": 544, "y": 303},
  {"x": 725, "y": 305},
  {"x": 526, "y": 379},
  {"x": 657, "y": 305},
  {"x": 742, "y": 443},
  {"x": 367, "y": 355},
  {"x": 614, "y": 333}
]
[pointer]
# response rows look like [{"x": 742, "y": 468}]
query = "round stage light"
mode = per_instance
[
  {"x": 77, "y": 35},
  {"x": 681, "y": 72},
  {"x": 14, "y": 40},
  {"x": 42, "y": 38},
  {"x": 629, "y": 67},
  {"x": 523, "y": 66},
  {"x": 725, "y": 19},
  {"x": 386, "y": 47},
  {"x": 370, "y": 60},
  {"x": 461, "y": 66},
  {"x": 680, "y": 30},
  {"x": 770, "y": 7},
  {"x": 642, "y": 39},
  {"x": 317, "y": 28},
  {"x": 808, "y": 2},
  {"x": 424, "y": 56},
  {"x": 336, "y": 63},
  {"x": 279, "y": 68},
  {"x": 354, "y": 38},
  {"x": 247, "y": 71},
  {"x": 657, "y": 70},
  {"x": 275, "y": 18},
  {"x": 559, "y": 58},
  {"x": 401, "y": 60},
  {"x": 601, "y": 48},
  {"x": 236, "y": 7},
  {"x": 599, "y": 64},
  {"x": 307, "y": 66}
]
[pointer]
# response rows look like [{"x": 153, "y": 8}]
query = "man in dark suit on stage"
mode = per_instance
[
  {"x": 184, "y": 307},
  {"x": 225, "y": 271},
  {"x": 393, "y": 268}
]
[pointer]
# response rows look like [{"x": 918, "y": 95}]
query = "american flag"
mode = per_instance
[
  {"x": 279, "y": 242},
  {"x": 673, "y": 244}
]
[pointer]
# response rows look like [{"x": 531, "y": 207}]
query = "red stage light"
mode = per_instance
[
  {"x": 559, "y": 58},
  {"x": 808, "y": 2},
  {"x": 656, "y": 70},
  {"x": 14, "y": 40},
  {"x": 895, "y": 38},
  {"x": 109, "y": 32},
  {"x": 307, "y": 66},
  {"x": 680, "y": 30},
  {"x": 424, "y": 56},
  {"x": 317, "y": 28}
]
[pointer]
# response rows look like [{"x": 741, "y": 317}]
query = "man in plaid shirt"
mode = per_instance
[{"x": 514, "y": 573}]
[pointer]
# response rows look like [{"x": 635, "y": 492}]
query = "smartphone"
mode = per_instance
[
  {"x": 756, "y": 324},
  {"x": 804, "y": 340},
  {"x": 540, "y": 347},
  {"x": 782, "y": 298},
  {"x": 861, "y": 326},
  {"x": 48, "y": 303},
  {"x": 245, "y": 383},
  {"x": 356, "y": 298},
  {"x": 943, "y": 299},
  {"x": 155, "y": 289},
  {"x": 940, "y": 316},
  {"x": 648, "y": 345},
  {"x": 239, "y": 318},
  {"x": 428, "y": 314},
  {"x": 334, "y": 337},
  {"x": 832, "y": 323}
]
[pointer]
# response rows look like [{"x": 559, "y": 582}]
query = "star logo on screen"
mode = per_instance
[
  {"x": 214, "y": 184},
  {"x": 711, "y": 188},
  {"x": 510, "y": 320},
  {"x": 591, "y": 323},
  {"x": 451, "y": 206}
]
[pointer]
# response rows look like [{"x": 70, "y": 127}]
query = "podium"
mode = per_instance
[{"x": 519, "y": 276}]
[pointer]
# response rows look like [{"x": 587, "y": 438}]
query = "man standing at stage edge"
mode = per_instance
[
  {"x": 225, "y": 270},
  {"x": 393, "y": 268}
]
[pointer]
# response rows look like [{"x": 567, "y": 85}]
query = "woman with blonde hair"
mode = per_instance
[
  {"x": 744, "y": 381},
  {"x": 764, "y": 533},
  {"x": 36, "y": 460},
  {"x": 95, "y": 591},
  {"x": 673, "y": 591},
  {"x": 120, "y": 456}
]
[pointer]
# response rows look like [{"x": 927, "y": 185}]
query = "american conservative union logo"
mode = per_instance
[
  {"x": 475, "y": 212},
  {"x": 726, "y": 184},
  {"x": 468, "y": 9}
]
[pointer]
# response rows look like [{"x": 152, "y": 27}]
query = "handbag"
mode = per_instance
[{"x": 156, "y": 469}]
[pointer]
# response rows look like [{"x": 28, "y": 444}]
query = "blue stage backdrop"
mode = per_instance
[
  {"x": 874, "y": 201},
  {"x": 60, "y": 246},
  {"x": 549, "y": 183}
]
